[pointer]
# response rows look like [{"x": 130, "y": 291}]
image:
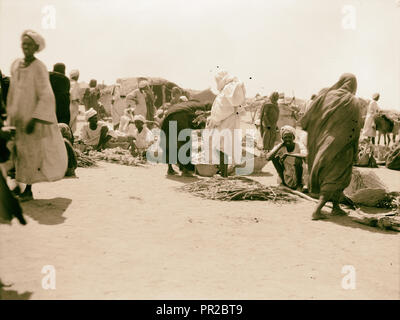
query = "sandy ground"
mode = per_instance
[{"x": 119, "y": 232}]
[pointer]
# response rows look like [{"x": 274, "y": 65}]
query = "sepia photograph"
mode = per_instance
[{"x": 207, "y": 150}]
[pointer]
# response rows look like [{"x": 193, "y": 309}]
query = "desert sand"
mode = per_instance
[{"x": 119, "y": 232}]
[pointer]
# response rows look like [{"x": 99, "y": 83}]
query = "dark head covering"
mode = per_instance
[
  {"x": 93, "y": 83},
  {"x": 274, "y": 97},
  {"x": 333, "y": 125},
  {"x": 347, "y": 82},
  {"x": 59, "y": 67}
]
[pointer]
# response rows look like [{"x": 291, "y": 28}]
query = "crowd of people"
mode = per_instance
[{"x": 41, "y": 111}]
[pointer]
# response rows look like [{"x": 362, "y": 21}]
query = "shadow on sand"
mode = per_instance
[
  {"x": 347, "y": 221},
  {"x": 12, "y": 294},
  {"x": 183, "y": 179},
  {"x": 47, "y": 211}
]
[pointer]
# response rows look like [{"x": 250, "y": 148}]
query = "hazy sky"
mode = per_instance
[{"x": 283, "y": 45}]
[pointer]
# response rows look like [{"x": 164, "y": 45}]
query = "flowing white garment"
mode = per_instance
[
  {"x": 225, "y": 118},
  {"x": 74, "y": 105},
  {"x": 41, "y": 155},
  {"x": 369, "y": 129}
]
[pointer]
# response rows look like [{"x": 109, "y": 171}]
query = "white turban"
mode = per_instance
[
  {"x": 36, "y": 37},
  {"x": 139, "y": 117},
  {"x": 90, "y": 113},
  {"x": 143, "y": 84},
  {"x": 288, "y": 130},
  {"x": 74, "y": 73},
  {"x": 183, "y": 99}
]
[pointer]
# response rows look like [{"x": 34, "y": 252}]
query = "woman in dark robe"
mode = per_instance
[
  {"x": 268, "y": 119},
  {"x": 333, "y": 124},
  {"x": 61, "y": 85},
  {"x": 183, "y": 115}
]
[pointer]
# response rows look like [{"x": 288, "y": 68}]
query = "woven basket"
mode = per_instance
[{"x": 206, "y": 170}]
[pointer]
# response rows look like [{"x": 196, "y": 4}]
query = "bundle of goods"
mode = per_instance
[
  {"x": 393, "y": 157},
  {"x": 83, "y": 160},
  {"x": 365, "y": 188},
  {"x": 365, "y": 157},
  {"x": 381, "y": 153},
  {"x": 117, "y": 155},
  {"x": 237, "y": 188}
]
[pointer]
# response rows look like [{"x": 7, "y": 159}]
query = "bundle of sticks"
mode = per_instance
[
  {"x": 83, "y": 160},
  {"x": 117, "y": 155},
  {"x": 237, "y": 188}
]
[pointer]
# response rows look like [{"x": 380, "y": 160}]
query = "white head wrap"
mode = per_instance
[
  {"x": 74, "y": 73},
  {"x": 90, "y": 113},
  {"x": 288, "y": 130},
  {"x": 143, "y": 84},
  {"x": 36, "y": 37},
  {"x": 139, "y": 117}
]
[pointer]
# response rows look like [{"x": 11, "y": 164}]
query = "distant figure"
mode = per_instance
[
  {"x": 286, "y": 115},
  {"x": 175, "y": 95},
  {"x": 269, "y": 116},
  {"x": 369, "y": 129},
  {"x": 333, "y": 125},
  {"x": 60, "y": 85},
  {"x": 95, "y": 133},
  {"x": 39, "y": 152},
  {"x": 74, "y": 100},
  {"x": 118, "y": 105},
  {"x": 137, "y": 98},
  {"x": 151, "y": 109},
  {"x": 91, "y": 99},
  {"x": 288, "y": 158}
]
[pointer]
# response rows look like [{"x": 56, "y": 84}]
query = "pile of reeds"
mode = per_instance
[
  {"x": 84, "y": 160},
  {"x": 237, "y": 188},
  {"x": 118, "y": 156}
]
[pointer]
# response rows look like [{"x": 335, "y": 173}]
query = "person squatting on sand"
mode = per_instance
[
  {"x": 95, "y": 133},
  {"x": 38, "y": 150},
  {"x": 288, "y": 157},
  {"x": 142, "y": 137},
  {"x": 226, "y": 112},
  {"x": 333, "y": 127}
]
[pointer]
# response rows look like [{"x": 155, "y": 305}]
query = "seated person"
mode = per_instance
[
  {"x": 66, "y": 132},
  {"x": 287, "y": 158},
  {"x": 142, "y": 137},
  {"x": 95, "y": 133}
]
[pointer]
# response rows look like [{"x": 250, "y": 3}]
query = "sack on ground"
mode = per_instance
[
  {"x": 365, "y": 188},
  {"x": 393, "y": 158}
]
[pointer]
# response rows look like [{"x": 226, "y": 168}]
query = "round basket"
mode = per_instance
[{"x": 206, "y": 170}]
